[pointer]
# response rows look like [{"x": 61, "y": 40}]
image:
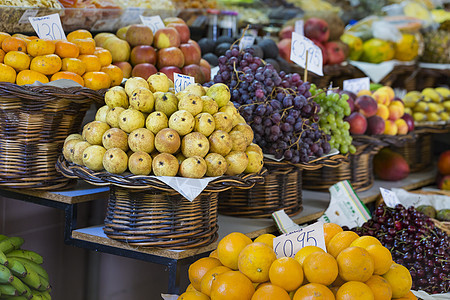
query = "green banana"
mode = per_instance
[
  {"x": 3, "y": 237},
  {"x": 34, "y": 266},
  {"x": 45, "y": 295},
  {"x": 32, "y": 279},
  {"x": 11, "y": 243},
  {"x": 17, "y": 268},
  {"x": 26, "y": 254},
  {"x": 18, "y": 298},
  {"x": 45, "y": 285},
  {"x": 3, "y": 259},
  {"x": 20, "y": 286},
  {"x": 8, "y": 290},
  {"x": 5, "y": 275}
]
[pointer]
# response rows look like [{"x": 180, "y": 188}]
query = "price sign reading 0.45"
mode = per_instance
[
  {"x": 48, "y": 27},
  {"x": 287, "y": 245},
  {"x": 180, "y": 81},
  {"x": 303, "y": 48}
]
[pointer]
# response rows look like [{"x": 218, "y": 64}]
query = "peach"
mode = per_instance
[
  {"x": 383, "y": 111},
  {"x": 358, "y": 123},
  {"x": 382, "y": 97},
  {"x": 402, "y": 126},
  {"x": 364, "y": 92},
  {"x": 388, "y": 90},
  {"x": 390, "y": 128},
  {"x": 375, "y": 125},
  {"x": 396, "y": 110},
  {"x": 366, "y": 105}
]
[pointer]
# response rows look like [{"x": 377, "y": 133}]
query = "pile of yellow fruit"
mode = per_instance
[
  {"x": 352, "y": 268},
  {"x": 431, "y": 104}
]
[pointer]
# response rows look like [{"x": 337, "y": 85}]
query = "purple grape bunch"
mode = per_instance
[
  {"x": 278, "y": 106},
  {"x": 415, "y": 242}
]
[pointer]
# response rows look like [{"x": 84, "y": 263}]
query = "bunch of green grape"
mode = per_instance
[{"x": 333, "y": 109}]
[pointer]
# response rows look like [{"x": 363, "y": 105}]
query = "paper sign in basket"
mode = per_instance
[{"x": 189, "y": 188}]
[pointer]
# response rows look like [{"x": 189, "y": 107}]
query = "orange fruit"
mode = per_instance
[
  {"x": 96, "y": 80},
  {"x": 7, "y": 73},
  {"x": 30, "y": 77},
  {"x": 199, "y": 268},
  {"x": 115, "y": 73},
  {"x": 2, "y": 55},
  {"x": 210, "y": 277},
  {"x": 91, "y": 62},
  {"x": 313, "y": 291},
  {"x": 190, "y": 288},
  {"x": 330, "y": 230},
  {"x": 3, "y": 35},
  {"x": 365, "y": 241},
  {"x": 265, "y": 238},
  {"x": 341, "y": 241},
  {"x": 24, "y": 37},
  {"x": 79, "y": 34},
  {"x": 214, "y": 254},
  {"x": 193, "y": 295},
  {"x": 66, "y": 49},
  {"x": 18, "y": 60},
  {"x": 14, "y": 44},
  {"x": 400, "y": 280},
  {"x": 68, "y": 75},
  {"x": 320, "y": 267},
  {"x": 39, "y": 47},
  {"x": 232, "y": 285},
  {"x": 46, "y": 64},
  {"x": 73, "y": 65},
  {"x": 355, "y": 264},
  {"x": 86, "y": 46},
  {"x": 104, "y": 56},
  {"x": 408, "y": 296},
  {"x": 381, "y": 289},
  {"x": 353, "y": 290},
  {"x": 255, "y": 260},
  {"x": 287, "y": 273},
  {"x": 303, "y": 253},
  {"x": 270, "y": 292},
  {"x": 382, "y": 258},
  {"x": 229, "y": 248}
]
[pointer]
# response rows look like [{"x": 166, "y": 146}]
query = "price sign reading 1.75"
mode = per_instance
[
  {"x": 181, "y": 81},
  {"x": 287, "y": 245},
  {"x": 303, "y": 49},
  {"x": 48, "y": 27}
]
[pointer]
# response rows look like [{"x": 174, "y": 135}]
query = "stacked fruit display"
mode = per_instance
[
  {"x": 443, "y": 178},
  {"x": 140, "y": 53},
  {"x": 352, "y": 268},
  {"x": 431, "y": 104},
  {"x": 379, "y": 112},
  {"x": 26, "y": 59},
  {"x": 21, "y": 273},
  {"x": 414, "y": 242},
  {"x": 146, "y": 128}
]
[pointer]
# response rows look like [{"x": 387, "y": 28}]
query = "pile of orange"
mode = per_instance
[
  {"x": 353, "y": 268},
  {"x": 27, "y": 59}
]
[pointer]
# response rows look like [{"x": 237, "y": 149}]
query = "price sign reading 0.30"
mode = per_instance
[
  {"x": 181, "y": 81},
  {"x": 48, "y": 27}
]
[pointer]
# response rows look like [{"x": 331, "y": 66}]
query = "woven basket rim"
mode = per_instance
[
  {"x": 332, "y": 161},
  {"x": 103, "y": 178},
  {"x": 432, "y": 128},
  {"x": 386, "y": 140}
]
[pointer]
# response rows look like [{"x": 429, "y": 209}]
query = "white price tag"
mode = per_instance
[
  {"x": 154, "y": 22},
  {"x": 48, "y": 27},
  {"x": 357, "y": 84},
  {"x": 299, "y": 27},
  {"x": 299, "y": 47},
  {"x": 246, "y": 41},
  {"x": 389, "y": 197},
  {"x": 131, "y": 14},
  {"x": 29, "y": 13},
  {"x": 288, "y": 244},
  {"x": 181, "y": 81}
]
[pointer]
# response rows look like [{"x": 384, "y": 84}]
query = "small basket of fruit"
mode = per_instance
[{"x": 166, "y": 157}]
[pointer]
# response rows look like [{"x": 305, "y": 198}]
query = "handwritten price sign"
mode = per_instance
[
  {"x": 246, "y": 41},
  {"x": 299, "y": 47},
  {"x": 389, "y": 197},
  {"x": 181, "y": 81},
  {"x": 154, "y": 22},
  {"x": 357, "y": 84},
  {"x": 48, "y": 27},
  {"x": 299, "y": 27},
  {"x": 288, "y": 244}
]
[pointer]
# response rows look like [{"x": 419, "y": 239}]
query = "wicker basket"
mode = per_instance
[
  {"x": 143, "y": 211},
  {"x": 34, "y": 121},
  {"x": 418, "y": 153}
]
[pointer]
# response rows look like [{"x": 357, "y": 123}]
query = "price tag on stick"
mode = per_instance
[
  {"x": 246, "y": 41},
  {"x": 288, "y": 244},
  {"x": 48, "y": 27},
  {"x": 154, "y": 22},
  {"x": 357, "y": 84},
  {"x": 299, "y": 27},
  {"x": 306, "y": 54},
  {"x": 181, "y": 81}
]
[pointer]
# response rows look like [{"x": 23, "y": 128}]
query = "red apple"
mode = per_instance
[
  {"x": 205, "y": 63},
  {"x": 366, "y": 105},
  {"x": 335, "y": 53},
  {"x": 171, "y": 56},
  {"x": 195, "y": 44},
  {"x": 286, "y": 32},
  {"x": 324, "y": 51},
  {"x": 191, "y": 54},
  {"x": 125, "y": 67},
  {"x": 169, "y": 70},
  {"x": 170, "y": 20},
  {"x": 183, "y": 31},
  {"x": 317, "y": 29},
  {"x": 144, "y": 70},
  {"x": 284, "y": 46},
  {"x": 206, "y": 74},
  {"x": 194, "y": 71},
  {"x": 166, "y": 37},
  {"x": 143, "y": 54},
  {"x": 444, "y": 163},
  {"x": 375, "y": 125}
]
